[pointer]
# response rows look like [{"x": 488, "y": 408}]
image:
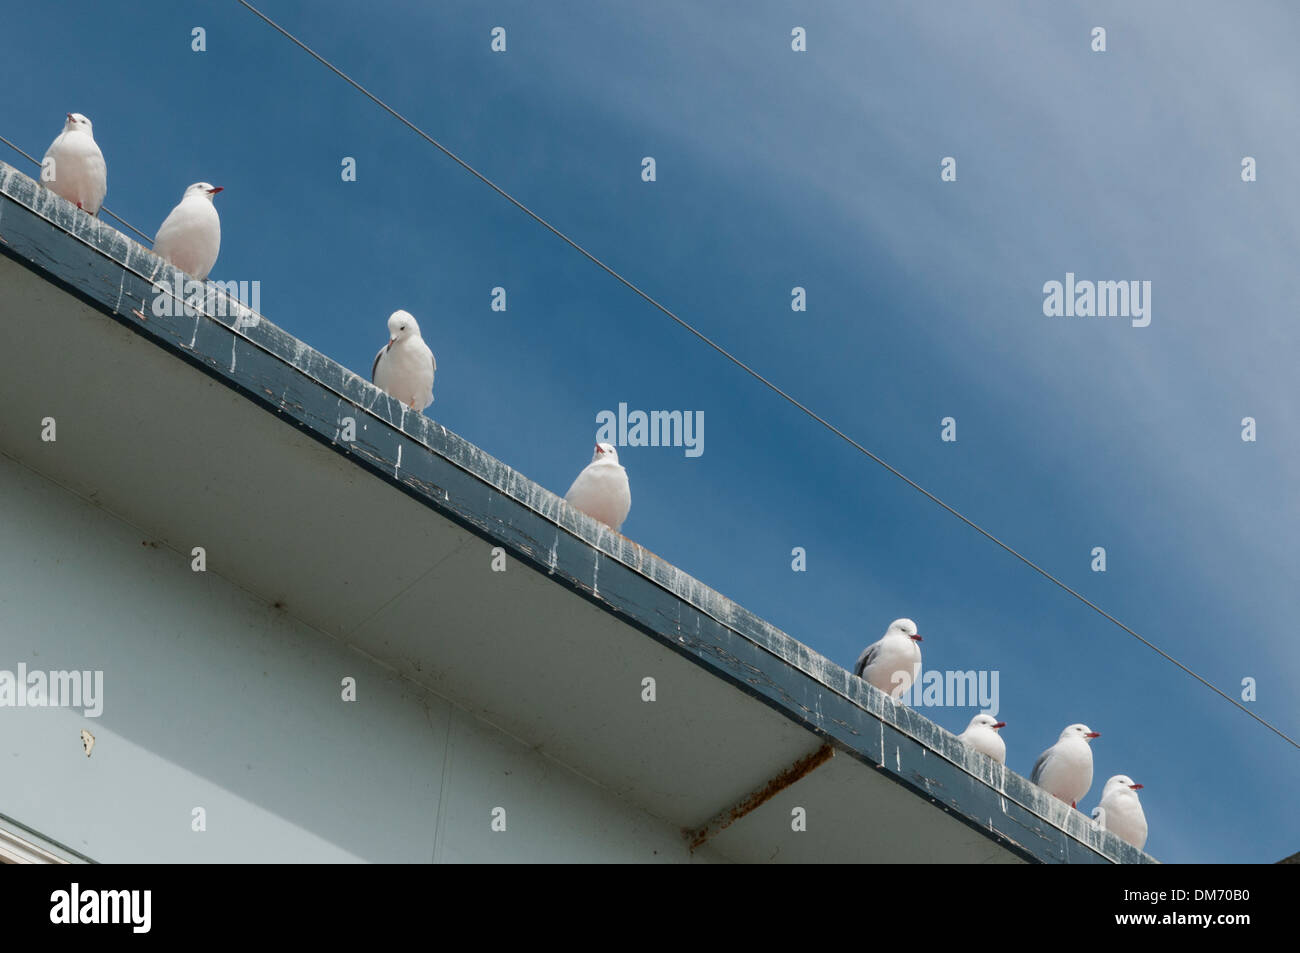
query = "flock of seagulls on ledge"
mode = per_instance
[
  {"x": 190, "y": 238},
  {"x": 74, "y": 168},
  {"x": 1064, "y": 770}
]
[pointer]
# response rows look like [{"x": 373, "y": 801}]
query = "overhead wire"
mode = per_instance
[{"x": 751, "y": 371}]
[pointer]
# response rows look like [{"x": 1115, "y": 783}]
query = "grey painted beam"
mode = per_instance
[{"x": 415, "y": 454}]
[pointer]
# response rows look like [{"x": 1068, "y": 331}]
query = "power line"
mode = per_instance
[
  {"x": 103, "y": 208},
  {"x": 745, "y": 367}
]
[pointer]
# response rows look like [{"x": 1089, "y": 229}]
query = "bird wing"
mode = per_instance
[
  {"x": 374, "y": 368},
  {"x": 101, "y": 168},
  {"x": 1039, "y": 765},
  {"x": 580, "y": 487},
  {"x": 163, "y": 239},
  {"x": 868, "y": 655}
]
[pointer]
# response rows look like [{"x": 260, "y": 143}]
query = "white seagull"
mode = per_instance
[
  {"x": 190, "y": 236},
  {"x": 1065, "y": 769},
  {"x": 601, "y": 490},
  {"x": 982, "y": 735},
  {"x": 893, "y": 663},
  {"x": 404, "y": 367},
  {"x": 1120, "y": 811},
  {"x": 74, "y": 167}
]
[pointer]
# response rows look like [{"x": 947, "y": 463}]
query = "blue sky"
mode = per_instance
[{"x": 819, "y": 169}]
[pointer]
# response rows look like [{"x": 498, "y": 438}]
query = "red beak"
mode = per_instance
[
  {"x": 598, "y": 450},
  {"x": 215, "y": 189},
  {"x": 1136, "y": 787},
  {"x": 69, "y": 115},
  {"x": 1000, "y": 724},
  {"x": 915, "y": 638},
  {"x": 1093, "y": 734}
]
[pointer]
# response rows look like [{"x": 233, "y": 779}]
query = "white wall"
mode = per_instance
[{"x": 214, "y": 699}]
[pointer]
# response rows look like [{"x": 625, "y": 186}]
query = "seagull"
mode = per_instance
[
  {"x": 404, "y": 367},
  {"x": 1065, "y": 769},
  {"x": 982, "y": 735},
  {"x": 601, "y": 489},
  {"x": 190, "y": 236},
  {"x": 75, "y": 166},
  {"x": 1120, "y": 811},
  {"x": 893, "y": 663}
]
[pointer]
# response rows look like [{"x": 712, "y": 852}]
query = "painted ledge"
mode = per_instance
[{"x": 115, "y": 276}]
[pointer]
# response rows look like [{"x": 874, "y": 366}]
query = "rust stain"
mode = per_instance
[{"x": 800, "y": 769}]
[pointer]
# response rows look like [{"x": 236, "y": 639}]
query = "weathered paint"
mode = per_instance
[
  {"x": 113, "y": 274},
  {"x": 797, "y": 771}
]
